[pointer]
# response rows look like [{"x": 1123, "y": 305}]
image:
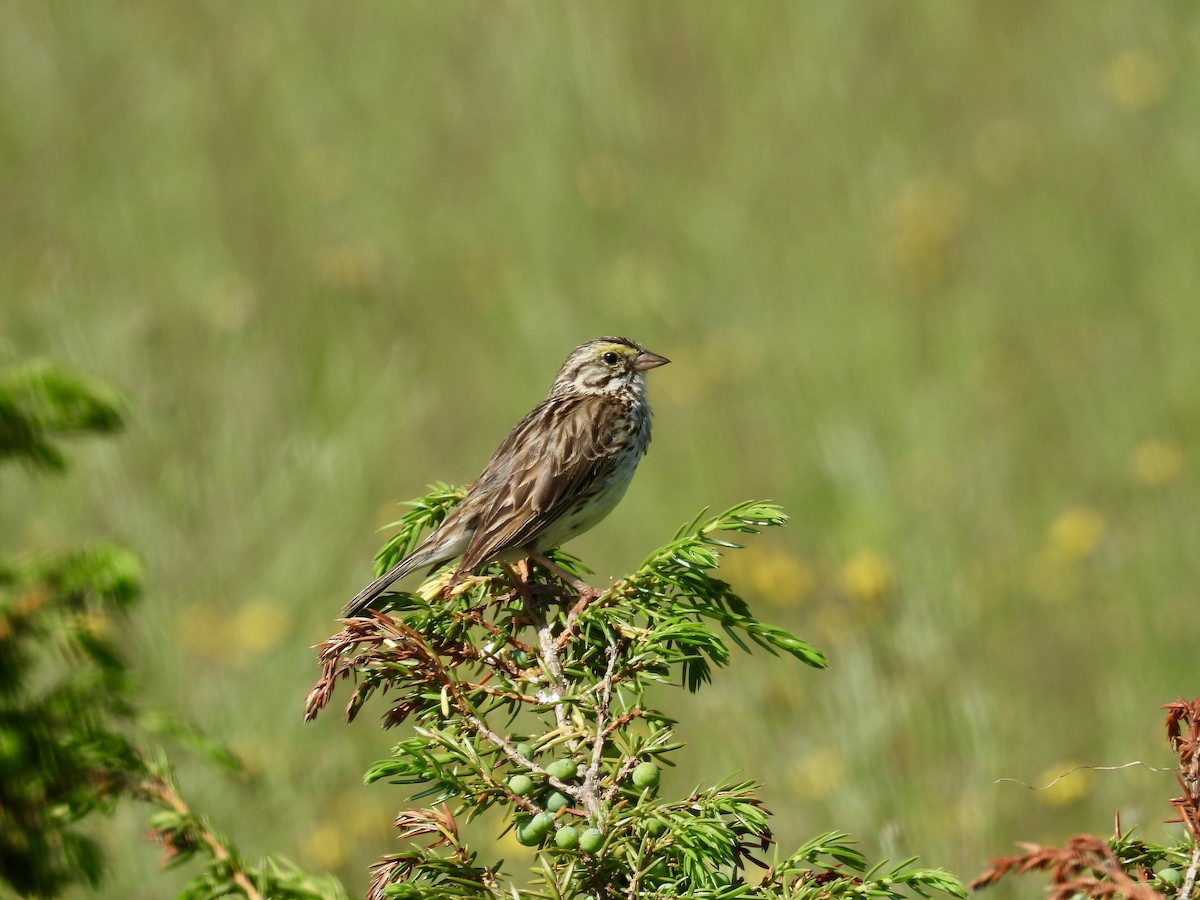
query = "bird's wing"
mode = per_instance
[{"x": 552, "y": 456}]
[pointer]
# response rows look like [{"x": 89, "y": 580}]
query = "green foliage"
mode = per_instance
[
  {"x": 531, "y": 701},
  {"x": 41, "y": 402},
  {"x": 676, "y": 588},
  {"x": 825, "y": 865},
  {"x": 185, "y": 837},
  {"x": 71, "y": 735},
  {"x": 1158, "y": 862},
  {"x": 64, "y": 693}
]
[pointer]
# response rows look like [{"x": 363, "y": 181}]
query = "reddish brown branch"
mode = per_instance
[
  {"x": 1086, "y": 865},
  {"x": 1183, "y": 733}
]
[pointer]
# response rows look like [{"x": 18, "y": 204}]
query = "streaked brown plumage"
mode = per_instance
[{"x": 560, "y": 470}]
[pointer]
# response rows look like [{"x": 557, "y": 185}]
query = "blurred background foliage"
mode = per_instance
[{"x": 927, "y": 271}]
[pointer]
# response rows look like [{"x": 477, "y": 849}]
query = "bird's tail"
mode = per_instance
[{"x": 371, "y": 592}]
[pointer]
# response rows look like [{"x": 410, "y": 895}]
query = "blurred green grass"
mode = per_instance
[{"x": 927, "y": 272}]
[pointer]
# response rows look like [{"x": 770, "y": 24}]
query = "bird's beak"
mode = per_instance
[{"x": 647, "y": 360}]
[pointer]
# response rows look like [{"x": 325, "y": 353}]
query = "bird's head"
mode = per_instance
[{"x": 606, "y": 365}]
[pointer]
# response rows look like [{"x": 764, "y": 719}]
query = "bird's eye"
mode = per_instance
[{"x": 611, "y": 358}]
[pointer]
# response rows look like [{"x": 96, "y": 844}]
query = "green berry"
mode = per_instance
[
  {"x": 567, "y": 838},
  {"x": 591, "y": 840},
  {"x": 1169, "y": 876},
  {"x": 562, "y": 769},
  {"x": 524, "y": 750},
  {"x": 656, "y": 827},
  {"x": 557, "y": 801},
  {"x": 646, "y": 775},
  {"x": 541, "y": 824},
  {"x": 525, "y": 837},
  {"x": 520, "y": 785},
  {"x": 532, "y": 832}
]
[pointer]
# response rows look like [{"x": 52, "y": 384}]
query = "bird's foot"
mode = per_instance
[
  {"x": 586, "y": 598},
  {"x": 518, "y": 577},
  {"x": 581, "y": 587}
]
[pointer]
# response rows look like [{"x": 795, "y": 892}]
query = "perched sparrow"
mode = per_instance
[{"x": 559, "y": 472}]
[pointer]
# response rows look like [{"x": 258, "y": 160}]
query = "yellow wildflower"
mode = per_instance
[
  {"x": 1074, "y": 535},
  {"x": 1067, "y": 784},
  {"x": 1135, "y": 80},
  {"x": 1156, "y": 462},
  {"x": 866, "y": 576},
  {"x": 818, "y": 774}
]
